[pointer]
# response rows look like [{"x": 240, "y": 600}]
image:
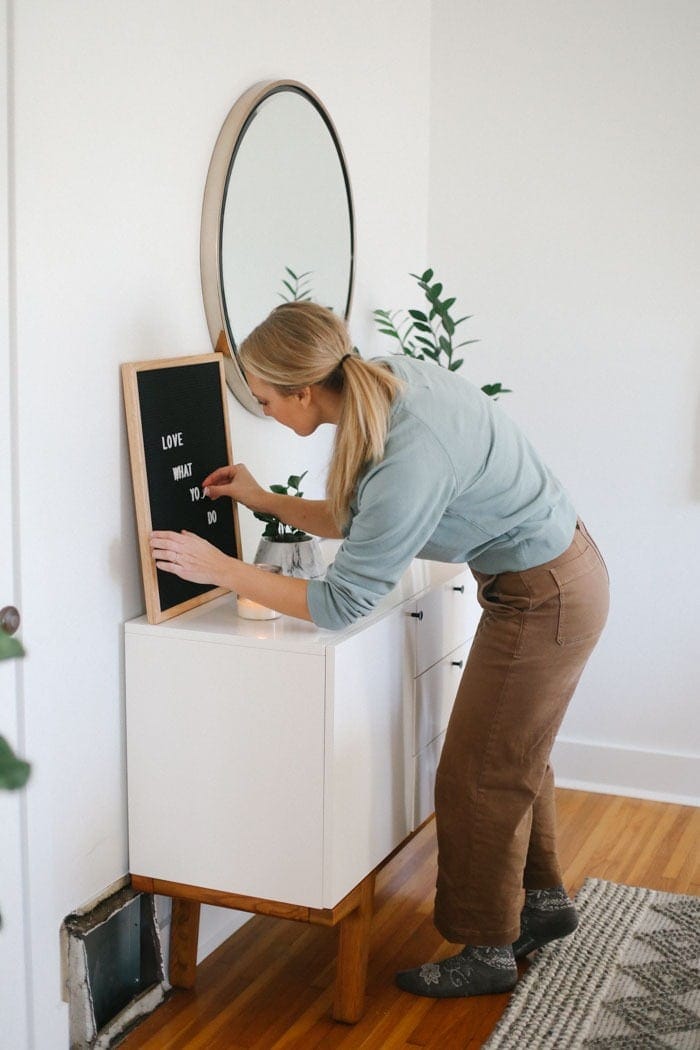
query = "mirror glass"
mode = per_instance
[{"x": 278, "y": 223}]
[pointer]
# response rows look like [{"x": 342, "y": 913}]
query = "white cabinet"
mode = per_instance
[
  {"x": 273, "y": 766},
  {"x": 446, "y": 617},
  {"x": 368, "y": 810},
  {"x": 225, "y": 765},
  {"x": 445, "y": 620}
]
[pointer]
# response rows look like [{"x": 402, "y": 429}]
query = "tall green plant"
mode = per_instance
[
  {"x": 14, "y": 771},
  {"x": 431, "y": 332}
]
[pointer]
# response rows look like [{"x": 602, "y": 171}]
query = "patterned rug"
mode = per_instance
[{"x": 629, "y": 977}]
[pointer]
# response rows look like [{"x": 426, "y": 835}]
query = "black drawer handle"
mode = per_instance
[
  {"x": 418, "y": 615},
  {"x": 460, "y": 589},
  {"x": 458, "y": 663}
]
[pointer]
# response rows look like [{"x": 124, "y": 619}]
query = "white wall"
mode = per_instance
[
  {"x": 116, "y": 111},
  {"x": 565, "y": 164}
]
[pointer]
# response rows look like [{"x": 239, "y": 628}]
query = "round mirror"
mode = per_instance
[{"x": 277, "y": 220}]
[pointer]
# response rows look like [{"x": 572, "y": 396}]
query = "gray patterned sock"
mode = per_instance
[
  {"x": 499, "y": 958},
  {"x": 475, "y": 971},
  {"x": 550, "y": 900},
  {"x": 547, "y": 916}
]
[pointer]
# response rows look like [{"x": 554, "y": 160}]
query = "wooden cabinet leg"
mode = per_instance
[
  {"x": 184, "y": 933},
  {"x": 353, "y": 952}
]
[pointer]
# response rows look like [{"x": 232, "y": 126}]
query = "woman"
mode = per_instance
[{"x": 425, "y": 465}]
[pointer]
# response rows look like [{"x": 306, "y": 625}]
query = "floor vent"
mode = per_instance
[{"x": 114, "y": 968}]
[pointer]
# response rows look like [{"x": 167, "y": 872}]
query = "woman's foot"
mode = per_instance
[
  {"x": 546, "y": 916},
  {"x": 475, "y": 971}
]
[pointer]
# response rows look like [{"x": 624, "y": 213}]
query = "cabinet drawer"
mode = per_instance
[
  {"x": 450, "y": 614},
  {"x": 435, "y": 691},
  {"x": 424, "y": 790}
]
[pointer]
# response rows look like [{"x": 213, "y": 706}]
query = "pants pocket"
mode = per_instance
[
  {"x": 504, "y": 609},
  {"x": 584, "y": 597}
]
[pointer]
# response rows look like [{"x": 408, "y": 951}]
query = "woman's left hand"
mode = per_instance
[{"x": 190, "y": 557}]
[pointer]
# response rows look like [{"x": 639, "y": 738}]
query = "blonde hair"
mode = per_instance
[{"x": 302, "y": 344}]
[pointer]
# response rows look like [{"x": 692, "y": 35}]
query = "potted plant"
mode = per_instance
[
  {"x": 295, "y": 551},
  {"x": 431, "y": 334}
]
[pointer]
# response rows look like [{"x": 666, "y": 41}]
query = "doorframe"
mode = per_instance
[{"x": 16, "y": 985}]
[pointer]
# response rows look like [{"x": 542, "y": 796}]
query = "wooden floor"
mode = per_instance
[{"x": 270, "y": 985}]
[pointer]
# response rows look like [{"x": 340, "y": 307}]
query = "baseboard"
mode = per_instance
[{"x": 658, "y": 775}]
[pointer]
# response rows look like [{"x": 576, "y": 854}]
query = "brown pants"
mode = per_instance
[{"x": 494, "y": 796}]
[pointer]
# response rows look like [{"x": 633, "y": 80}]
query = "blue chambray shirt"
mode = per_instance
[{"x": 459, "y": 482}]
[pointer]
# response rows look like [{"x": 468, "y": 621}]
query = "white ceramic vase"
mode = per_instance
[{"x": 302, "y": 558}]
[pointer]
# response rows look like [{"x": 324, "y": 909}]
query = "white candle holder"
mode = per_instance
[{"x": 250, "y": 610}]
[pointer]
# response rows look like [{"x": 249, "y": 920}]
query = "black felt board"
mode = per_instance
[{"x": 178, "y": 433}]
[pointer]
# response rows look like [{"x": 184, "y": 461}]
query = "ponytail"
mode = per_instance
[{"x": 362, "y": 429}]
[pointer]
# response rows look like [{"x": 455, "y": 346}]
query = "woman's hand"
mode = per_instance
[
  {"x": 236, "y": 482},
  {"x": 190, "y": 557}
]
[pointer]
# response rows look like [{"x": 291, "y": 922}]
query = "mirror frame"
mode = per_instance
[{"x": 227, "y": 145}]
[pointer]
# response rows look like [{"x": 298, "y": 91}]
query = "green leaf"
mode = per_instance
[
  {"x": 445, "y": 345},
  {"x": 418, "y": 315},
  {"x": 434, "y": 291},
  {"x": 454, "y": 365},
  {"x": 14, "y": 772},
  {"x": 9, "y": 647},
  {"x": 448, "y": 303},
  {"x": 430, "y": 343},
  {"x": 448, "y": 325},
  {"x": 421, "y": 327},
  {"x": 495, "y": 389}
]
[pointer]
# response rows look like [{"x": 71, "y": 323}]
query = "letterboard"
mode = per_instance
[{"x": 177, "y": 425}]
